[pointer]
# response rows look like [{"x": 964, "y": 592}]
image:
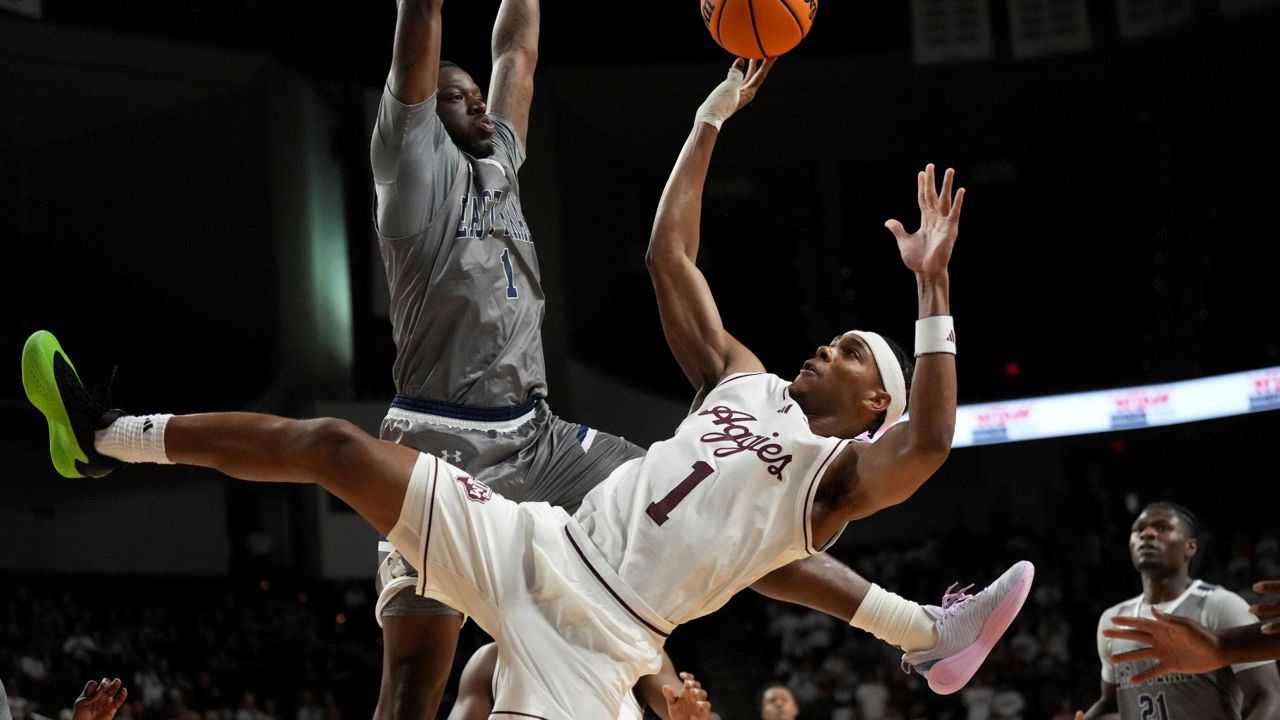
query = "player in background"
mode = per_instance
[
  {"x": 1182, "y": 645},
  {"x": 1162, "y": 543}
]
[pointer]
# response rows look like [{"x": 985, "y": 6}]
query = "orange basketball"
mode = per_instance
[{"x": 758, "y": 28}]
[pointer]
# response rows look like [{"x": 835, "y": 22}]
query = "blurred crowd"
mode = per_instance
[
  {"x": 190, "y": 649},
  {"x": 307, "y": 650}
]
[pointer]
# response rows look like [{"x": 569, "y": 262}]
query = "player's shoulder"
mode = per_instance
[
  {"x": 1222, "y": 607},
  {"x": 1124, "y": 607},
  {"x": 754, "y": 378}
]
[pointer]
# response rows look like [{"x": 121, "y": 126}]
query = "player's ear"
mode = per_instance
[
  {"x": 878, "y": 401},
  {"x": 1192, "y": 546}
]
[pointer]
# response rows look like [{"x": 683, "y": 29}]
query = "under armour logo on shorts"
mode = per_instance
[
  {"x": 451, "y": 456},
  {"x": 476, "y": 490}
]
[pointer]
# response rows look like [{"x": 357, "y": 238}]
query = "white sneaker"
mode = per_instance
[{"x": 968, "y": 627}]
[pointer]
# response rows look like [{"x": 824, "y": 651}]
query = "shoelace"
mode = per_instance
[
  {"x": 102, "y": 393},
  {"x": 952, "y": 599},
  {"x": 96, "y": 401}
]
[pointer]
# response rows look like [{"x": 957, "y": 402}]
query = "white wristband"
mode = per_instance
[{"x": 936, "y": 334}]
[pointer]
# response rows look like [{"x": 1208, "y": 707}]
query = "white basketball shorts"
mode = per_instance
[{"x": 572, "y": 639}]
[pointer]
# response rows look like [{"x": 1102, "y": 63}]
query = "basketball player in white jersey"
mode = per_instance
[
  {"x": 466, "y": 310},
  {"x": 1162, "y": 542},
  {"x": 761, "y": 474}
]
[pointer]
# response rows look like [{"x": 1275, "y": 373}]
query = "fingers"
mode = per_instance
[
  {"x": 920, "y": 192},
  {"x": 1265, "y": 611},
  {"x": 1271, "y": 628},
  {"x": 760, "y": 70},
  {"x": 1150, "y": 673},
  {"x": 944, "y": 199},
  {"x": 120, "y": 692},
  {"x": 954, "y": 215},
  {"x": 930, "y": 191},
  {"x": 1141, "y": 636},
  {"x": 668, "y": 693},
  {"x": 1079, "y": 715},
  {"x": 1128, "y": 656},
  {"x": 89, "y": 687},
  {"x": 1136, "y": 623},
  {"x": 896, "y": 228},
  {"x": 1267, "y": 587}
]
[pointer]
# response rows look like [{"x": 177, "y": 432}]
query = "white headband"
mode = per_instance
[{"x": 890, "y": 376}]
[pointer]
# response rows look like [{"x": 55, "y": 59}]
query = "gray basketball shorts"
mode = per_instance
[{"x": 529, "y": 456}]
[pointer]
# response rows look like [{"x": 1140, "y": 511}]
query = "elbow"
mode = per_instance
[
  {"x": 421, "y": 5},
  {"x": 657, "y": 259},
  {"x": 933, "y": 446},
  {"x": 519, "y": 49}
]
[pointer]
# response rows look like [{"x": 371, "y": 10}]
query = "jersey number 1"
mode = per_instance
[
  {"x": 512, "y": 292},
  {"x": 660, "y": 510}
]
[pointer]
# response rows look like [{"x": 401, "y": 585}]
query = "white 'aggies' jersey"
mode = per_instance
[{"x": 723, "y": 503}]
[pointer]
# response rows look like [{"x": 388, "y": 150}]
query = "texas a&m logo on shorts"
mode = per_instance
[{"x": 476, "y": 490}]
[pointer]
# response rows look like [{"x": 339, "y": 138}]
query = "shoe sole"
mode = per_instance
[
  {"x": 42, "y": 390},
  {"x": 953, "y": 673}
]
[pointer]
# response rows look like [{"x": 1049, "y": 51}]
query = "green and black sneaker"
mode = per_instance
[{"x": 54, "y": 387}]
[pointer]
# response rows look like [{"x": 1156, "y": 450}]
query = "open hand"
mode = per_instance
[
  {"x": 928, "y": 250},
  {"x": 1177, "y": 644},
  {"x": 735, "y": 91},
  {"x": 690, "y": 703},
  {"x": 100, "y": 700}
]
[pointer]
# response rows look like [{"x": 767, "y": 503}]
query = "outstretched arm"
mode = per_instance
[
  {"x": 690, "y": 318},
  {"x": 899, "y": 462},
  {"x": 1182, "y": 645},
  {"x": 515, "y": 54},
  {"x": 415, "y": 58}
]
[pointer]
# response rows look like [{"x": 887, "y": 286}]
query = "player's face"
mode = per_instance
[
  {"x": 1158, "y": 542},
  {"x": 778, "y": 704},
  {"x": 461, "y": 107},
  {"x": 842, "y": 377}
]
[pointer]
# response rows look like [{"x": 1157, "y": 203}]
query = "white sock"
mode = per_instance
[
  {"x": 895, "y": 620},
  {"x": 134, "y": 439}
]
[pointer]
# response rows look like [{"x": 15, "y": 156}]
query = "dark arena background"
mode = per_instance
[{"x": 185, "y": 195}]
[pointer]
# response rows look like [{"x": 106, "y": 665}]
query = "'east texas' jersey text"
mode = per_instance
[{"x": 466, "y": 294}]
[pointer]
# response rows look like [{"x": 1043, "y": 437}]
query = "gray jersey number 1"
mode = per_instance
[{"x": 512, "y": 292}]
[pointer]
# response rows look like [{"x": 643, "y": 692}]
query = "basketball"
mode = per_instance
[{"x": 758, "y": 28}]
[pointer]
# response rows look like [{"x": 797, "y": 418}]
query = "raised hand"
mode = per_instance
[
  {"x": 927, "y": 251},
  {"x": 100, "y": 700},
  {"x": 690, "y": 703},
  {"x": 1177, "y": 644},
  {"x": 735, "y": 91}
]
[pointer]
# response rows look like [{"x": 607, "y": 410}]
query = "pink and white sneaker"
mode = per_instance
[{"x": 968, "y": 627}]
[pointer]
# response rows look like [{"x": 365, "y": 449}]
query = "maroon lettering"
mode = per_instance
[{"x": 741, "y": 438}]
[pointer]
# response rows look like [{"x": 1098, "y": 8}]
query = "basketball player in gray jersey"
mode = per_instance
[
  {"x": 1162, "y": 543},
  {"x": 466, "y": 313}
]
